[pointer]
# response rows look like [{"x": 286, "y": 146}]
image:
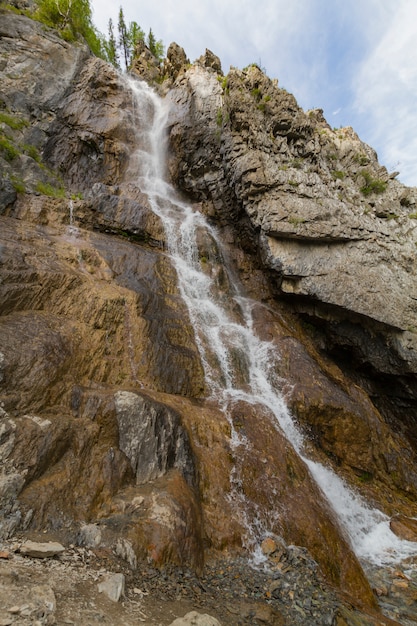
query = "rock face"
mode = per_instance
[
  {"x": 108, "y": 433},
  {"x": 335, "y": 231}
]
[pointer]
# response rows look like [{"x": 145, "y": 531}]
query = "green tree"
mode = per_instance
[
  {"x": 124, "y": 43},
  {"x": 73, "y": 18},
  {"x": 156, "y": 47},
  {"x": 135, "y": 34},
  {"x": 111, "y": 46}
]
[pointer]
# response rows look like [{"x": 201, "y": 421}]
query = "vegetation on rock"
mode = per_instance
[{"x": 73, "y": 19}]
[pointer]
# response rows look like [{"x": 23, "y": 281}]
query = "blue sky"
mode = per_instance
[{"x": 355, "y": 59}]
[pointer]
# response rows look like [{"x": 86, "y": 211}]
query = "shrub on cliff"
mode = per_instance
[{"x": 73, "y": 18}]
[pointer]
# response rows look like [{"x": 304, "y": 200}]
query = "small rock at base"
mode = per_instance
[
  {"x": 113, "y": 586},
  {"x": 268, "y": 546},
  {"x": 196, "y": 619},
  {"x": 14, "y": 609},
  {"x": 41, "y": 550}
]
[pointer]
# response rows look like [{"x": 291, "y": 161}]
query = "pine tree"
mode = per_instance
[
  {"x": 156, "y": 47},
  {"x": 124, "y": 39},
  {"x": 111, "y": 46},
  {"x": 135, "y": 34}
]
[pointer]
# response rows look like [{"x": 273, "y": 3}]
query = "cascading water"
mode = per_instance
[{"x": 239, "y": 366}]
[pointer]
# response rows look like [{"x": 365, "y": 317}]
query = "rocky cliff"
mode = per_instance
[{"x": 109, "y": 436}]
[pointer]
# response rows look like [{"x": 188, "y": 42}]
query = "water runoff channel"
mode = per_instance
[{"x": 238, "y": 365}]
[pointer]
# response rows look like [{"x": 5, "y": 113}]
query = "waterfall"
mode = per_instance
[{"x": 238, "y": 364}]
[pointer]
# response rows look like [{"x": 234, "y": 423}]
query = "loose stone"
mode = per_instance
[{"x": 41, "y": 550}]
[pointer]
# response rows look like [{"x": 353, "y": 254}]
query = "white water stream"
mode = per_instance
[{"x": 238, "y": 365}]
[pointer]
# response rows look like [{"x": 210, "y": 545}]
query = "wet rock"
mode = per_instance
[
  {"x": 90, "y": 139},
  {"x": 41, "y": 550},
  {"x": 404, "y": 527},
  {"x": 268, "y": 546}
]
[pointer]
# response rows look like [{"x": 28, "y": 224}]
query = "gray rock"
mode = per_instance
[
  {"x": 300, "y": 184},
  {"x": 41, "y": 550},
  {"x": 152, "y": 437},
  {"x": 334, "y": 231},
  {"x": 23, "y": 78},
  {"x": 175, "y": 61},
  {"x": 8, "y": 194},
  {"x": 90, "y": 535},
  {"x": 113, "y": 586},
  {"x": 196, "y": 619}
]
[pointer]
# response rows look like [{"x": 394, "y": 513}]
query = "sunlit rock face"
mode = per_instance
[{"x": 108, "y": 431}]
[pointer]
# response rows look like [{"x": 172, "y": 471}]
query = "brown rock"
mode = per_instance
[
  {"x": 404, "y": 527},
  {"x": 268, "y": 546}
]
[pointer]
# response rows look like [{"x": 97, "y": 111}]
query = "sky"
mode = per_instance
[{"x": 355, "y": 59}]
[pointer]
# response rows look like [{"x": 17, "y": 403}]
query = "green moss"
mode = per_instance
[
  {"x": 32, "y": 151},
  {"x": 49, "y": 190},
  {"x": 224, "y": 83},
  {"x": 8, "y": 149},
  {"x": 295, "y": 221},
  {"x": 18, "y": 184},
  {"x": 293, "y": 183},
  {"x": 338, "y": 175},
  {"x": 247, "y": 67},
  {"x": 12, "y": 121},
  {"x": 256, "y": 93},
  {"x": 365, "y": 477},
  {"x": 13, "y": 9},
  {"x": 361, "y": 159}
]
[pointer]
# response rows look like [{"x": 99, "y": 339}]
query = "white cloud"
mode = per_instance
[{"x": 386, "y": 92}]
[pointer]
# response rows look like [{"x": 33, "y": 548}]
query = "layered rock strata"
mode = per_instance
[
  {"x": 333, "y": 229},
  {"x": 108, "y": 433}
]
